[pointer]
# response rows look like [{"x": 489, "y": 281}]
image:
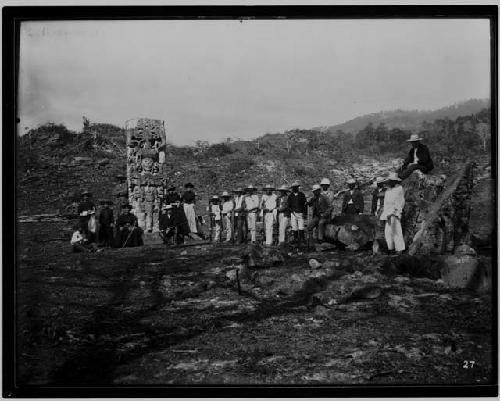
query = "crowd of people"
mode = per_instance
[{"x": 283, "y": 212}]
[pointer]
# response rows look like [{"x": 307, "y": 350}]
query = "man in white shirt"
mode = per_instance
[
  {"x": 227, "y": 214},
  {"x": 394, "y": 202},
  {"x": 268, "y": 209},
  {"x": 283, "y": 213},
  {"x": 252, "y": 207},
  {"x": 79, "y": 241},
  {"x": 216, "y": 216}
]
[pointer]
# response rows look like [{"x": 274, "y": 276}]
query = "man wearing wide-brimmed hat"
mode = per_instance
[
  {"x": 283, "y": 213},
  {"x": 252, "y": 207},
  {"x": 419, "y": 158},
  {"x": 353, "y": 202},
  {"x": 268, "y": 209},
  {"x": 189, "y": 200},
  {"x": 227, "y": 214},
  {"x": 327, "y": 192},
  {"x": 106, "y": 223},
  {"x": 240, "y": 215},
  {"x": 128, "y": 233},
  {"x": 173, "y": 199},
  {"x": 394, "y": 202},
  {"x": 320, "y": 213},
  {"x": 298, "y": 209}
]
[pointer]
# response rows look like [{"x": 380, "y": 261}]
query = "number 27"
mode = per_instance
[{"x": 468, "y": 364}]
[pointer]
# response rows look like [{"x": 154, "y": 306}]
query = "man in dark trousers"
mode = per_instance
[
  {"x": 128, "y": 233},
  {"x": 173, "y": 198},
  {"x": 419, "y": 158},
  {"x": 298, "y": 209},
  {"x": 106, "y": 223},
  {"x": 320, "y": 213},
  {"x": 353, "y": 202},
  {"x": 378, "y": 197}
]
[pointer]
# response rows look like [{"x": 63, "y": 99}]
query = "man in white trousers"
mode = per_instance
[
  {"x": 283, "y": 213},
  {"x": 298, "y": 209},
  {"x": 394, "y": 202},
  {"x": 268, "y": 209},
  {"x": 252, "y": 207},
  {"x": 227, "y": 214}
]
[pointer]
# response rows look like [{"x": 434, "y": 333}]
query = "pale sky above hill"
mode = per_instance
[{"x": 216, "y": 79}]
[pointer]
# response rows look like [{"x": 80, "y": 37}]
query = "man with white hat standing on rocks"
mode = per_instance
[
  {"x": 353, "y": 202},
  {"x": 283, "y": 213},
  {"x": 298, "y": 208},
  {"x": 394, "y": 202},
  {"x": 268, "y": 207},
  {"x": 227, "y": 214},
  {"x": 252, "y": 207},
  {"x": 419, "y": 158}
]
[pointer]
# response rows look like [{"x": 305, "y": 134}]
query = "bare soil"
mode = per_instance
[{"x": 152, "y": 315}]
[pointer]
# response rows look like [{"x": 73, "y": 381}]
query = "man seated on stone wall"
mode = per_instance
[
  {"x": 128, "y": 233},
  {"x": 419, "y": 158}
]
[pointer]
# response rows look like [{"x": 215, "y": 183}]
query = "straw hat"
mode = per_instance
[
  {"x": 167, "y": 207},
  {"x": 325, "y": 181},
  {"x": 267, "y": 187},
  {"x": 393, "y": 177},
  {"x": 283, "y": 188},
  {"x": 295, "y": 184},
  {"x": 351, "y": 181},
  {"x": 215, "y": 197},
  {"x": 250, "y": 187},
  {"x": 225, "y": 194},
  {"x": 238, "y": 190},
  {"x": 316, "y": 187},
  {"x": 414, "y": 138}
]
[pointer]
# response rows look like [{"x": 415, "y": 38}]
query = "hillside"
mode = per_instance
[
  {"x": 410, "y": 119},
  {"x": 57, "y": 164}
]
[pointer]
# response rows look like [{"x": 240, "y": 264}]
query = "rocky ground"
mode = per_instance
[{"x": 152, "y": 315}]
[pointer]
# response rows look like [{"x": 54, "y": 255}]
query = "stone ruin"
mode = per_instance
[{"x": 146, "y": 140}]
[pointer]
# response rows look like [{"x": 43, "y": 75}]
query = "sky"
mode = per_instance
[{"x": 211, "y": 80}]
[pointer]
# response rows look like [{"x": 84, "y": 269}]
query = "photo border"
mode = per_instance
[{"x": 13, "y": 16}]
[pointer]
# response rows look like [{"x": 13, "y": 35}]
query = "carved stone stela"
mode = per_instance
[{"x": 146, "y": 141}]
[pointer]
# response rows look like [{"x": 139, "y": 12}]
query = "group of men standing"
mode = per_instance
[
  {"x": 288, "y": 207},
  {"x": 279, "y": 209}
]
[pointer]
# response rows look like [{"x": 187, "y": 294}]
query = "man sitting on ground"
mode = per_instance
[
  {"x": 167, "y": 224},
  {"x": 79, "y": 241},
  {"x": 419, "y": 158}
]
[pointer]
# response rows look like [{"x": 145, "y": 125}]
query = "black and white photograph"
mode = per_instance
[{"x": 254, "y": 200}]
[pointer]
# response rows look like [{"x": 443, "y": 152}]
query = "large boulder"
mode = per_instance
[{"x": 352, "y": 231}]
